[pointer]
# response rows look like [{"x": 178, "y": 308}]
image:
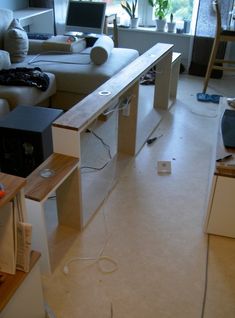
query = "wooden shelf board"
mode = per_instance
[{"x": 12, "y": 282}]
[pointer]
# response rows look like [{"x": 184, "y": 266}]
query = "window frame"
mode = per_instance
[{"x": 145, "y": 14}]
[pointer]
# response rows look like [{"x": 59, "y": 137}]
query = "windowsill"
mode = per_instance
[{"x": 153, "y": 29}]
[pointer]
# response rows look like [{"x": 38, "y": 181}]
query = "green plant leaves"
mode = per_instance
[
  {"x": 129, "y": 7},
  {"x": 161, "y": 8}
]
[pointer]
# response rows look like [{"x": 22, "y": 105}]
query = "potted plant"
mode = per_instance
[
  {"x": 131, "y": 9},
  {"x": 171, "y": 24},
  {"x": 161, "y": 8}
]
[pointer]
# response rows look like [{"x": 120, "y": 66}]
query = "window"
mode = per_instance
[{"x": 181, "y": 9}]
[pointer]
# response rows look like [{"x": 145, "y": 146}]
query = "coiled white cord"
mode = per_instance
[{"x": 100, "y": 257}]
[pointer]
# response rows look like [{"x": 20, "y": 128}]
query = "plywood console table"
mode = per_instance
[
  {"x": 124, "y": 85},
  {"x": 220, "y": 218}
]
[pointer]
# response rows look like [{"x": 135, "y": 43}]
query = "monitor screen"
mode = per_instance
[{"x": 85, "y": 17}]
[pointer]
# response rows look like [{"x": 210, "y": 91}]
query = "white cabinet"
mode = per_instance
[{"x": 221, "y": 220}]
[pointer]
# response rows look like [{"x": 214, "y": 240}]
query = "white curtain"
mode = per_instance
[
  {"x": 60, "y": 7},
  {"x": 145, "y": 11}
]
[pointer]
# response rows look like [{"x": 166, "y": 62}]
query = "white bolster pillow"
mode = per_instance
[
  {"x": 101, "y": 49},
  {"x": 5, "y": 61}
]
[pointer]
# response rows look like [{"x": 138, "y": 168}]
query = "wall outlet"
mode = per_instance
[{"x": 164, "y": 167}]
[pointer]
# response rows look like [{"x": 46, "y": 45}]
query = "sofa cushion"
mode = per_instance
[
  {"x": 5, "y": 61},
  {"x": 101, "y": 50},
  {"x": 6, "y": 17},
  {"x": 75, "y": 73},
  {"x": 16, "y": 42}
]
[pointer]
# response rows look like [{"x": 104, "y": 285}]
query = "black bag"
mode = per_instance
[{"x": 22, "y": 76}]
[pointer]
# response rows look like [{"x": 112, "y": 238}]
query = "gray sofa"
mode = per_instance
[{"x": 73, "y": 75}]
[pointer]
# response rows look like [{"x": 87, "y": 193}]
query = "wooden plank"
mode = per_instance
[
  {"x": 38, "y": 188},
  {"x": 11, "y": 283},
  {"x": 175, "y": 57},
  {"x": 83, "y": 113},
  {"x": 162, "y": 83},
  {"x": 12, "y": 185},
  {"x": 128, "y": 124},
  {"x": 68, "y": 200}
]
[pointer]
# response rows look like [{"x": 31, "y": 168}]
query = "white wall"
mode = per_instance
[{"x": 142, "y": 40}]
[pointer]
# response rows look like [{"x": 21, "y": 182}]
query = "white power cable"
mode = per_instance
[
  {"x": 100, "y": 258},
  {"x": 36, "y": 60}
]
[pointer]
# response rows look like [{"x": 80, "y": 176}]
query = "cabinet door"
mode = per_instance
[{"x": 222, "y": 212}]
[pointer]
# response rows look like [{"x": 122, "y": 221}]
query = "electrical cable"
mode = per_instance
[
  {"x": 34, "y": 59},
  {"x": 112, "y": 110},
  {"x": 102, "y": 141},
  {"x": 106, "y": 146},
  {"x": 61, "y": 62},
  {"x": 204, "y": 115},
  {"x": 52, "y": 197},
  {"x": 95, "y": 168},
  {"x": 111, "y": 311},
  {"x": 100, "y": 257},
  {"x": 206, "y": 277},
  {"x": 118, "y": 107}
]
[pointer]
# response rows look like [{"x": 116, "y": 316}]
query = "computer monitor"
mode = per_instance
[{"x": 85, "y": 17}]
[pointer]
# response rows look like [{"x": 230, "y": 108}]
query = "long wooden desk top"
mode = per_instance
[
  {"x": 38, "y": 188},
  {"x": 83, "y": 113}
]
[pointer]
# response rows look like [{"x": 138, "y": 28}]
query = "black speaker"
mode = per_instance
[{"x": 26, "y": 138}]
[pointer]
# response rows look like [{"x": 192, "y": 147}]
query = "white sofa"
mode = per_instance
[
  {"x": 14, "y": 95},
  {"x": 75, "y": 74}
]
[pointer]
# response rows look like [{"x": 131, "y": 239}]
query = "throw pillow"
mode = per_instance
[
  {"x": 5, "y": 62},
  {"x": 16, "y": 42},
  {"x": 101, "y": 50}
]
